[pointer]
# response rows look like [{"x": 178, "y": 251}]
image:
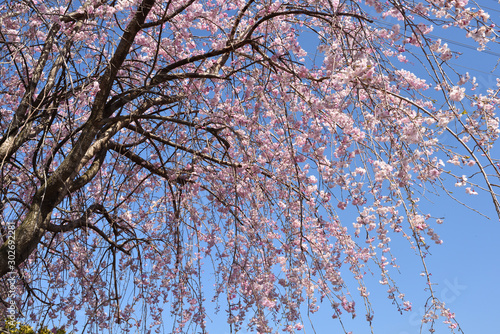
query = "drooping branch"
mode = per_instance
[
  {"x": 84, "y": 222},
  {"x": 319, "y": 15},
  {"x": 169, "y": 17},
  {"x": 181, "y": 147},
  {"x": 139, "y": 161},
  {"x": 163, "y": 74}
]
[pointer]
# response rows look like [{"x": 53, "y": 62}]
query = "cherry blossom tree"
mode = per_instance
[{"x": 151, "y": 149}]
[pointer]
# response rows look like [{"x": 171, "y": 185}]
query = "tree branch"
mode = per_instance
[{"x": 83, "y": 222}]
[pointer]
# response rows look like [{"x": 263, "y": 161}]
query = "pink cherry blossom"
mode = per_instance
[
  {"x": 457, "y": 93},
  {"x": 162, "y": 159}
]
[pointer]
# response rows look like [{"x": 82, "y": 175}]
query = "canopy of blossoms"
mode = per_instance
[{"x": 156, "y": 156}]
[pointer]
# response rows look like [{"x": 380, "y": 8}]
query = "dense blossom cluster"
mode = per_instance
[{"x": 152, "y": 149}]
